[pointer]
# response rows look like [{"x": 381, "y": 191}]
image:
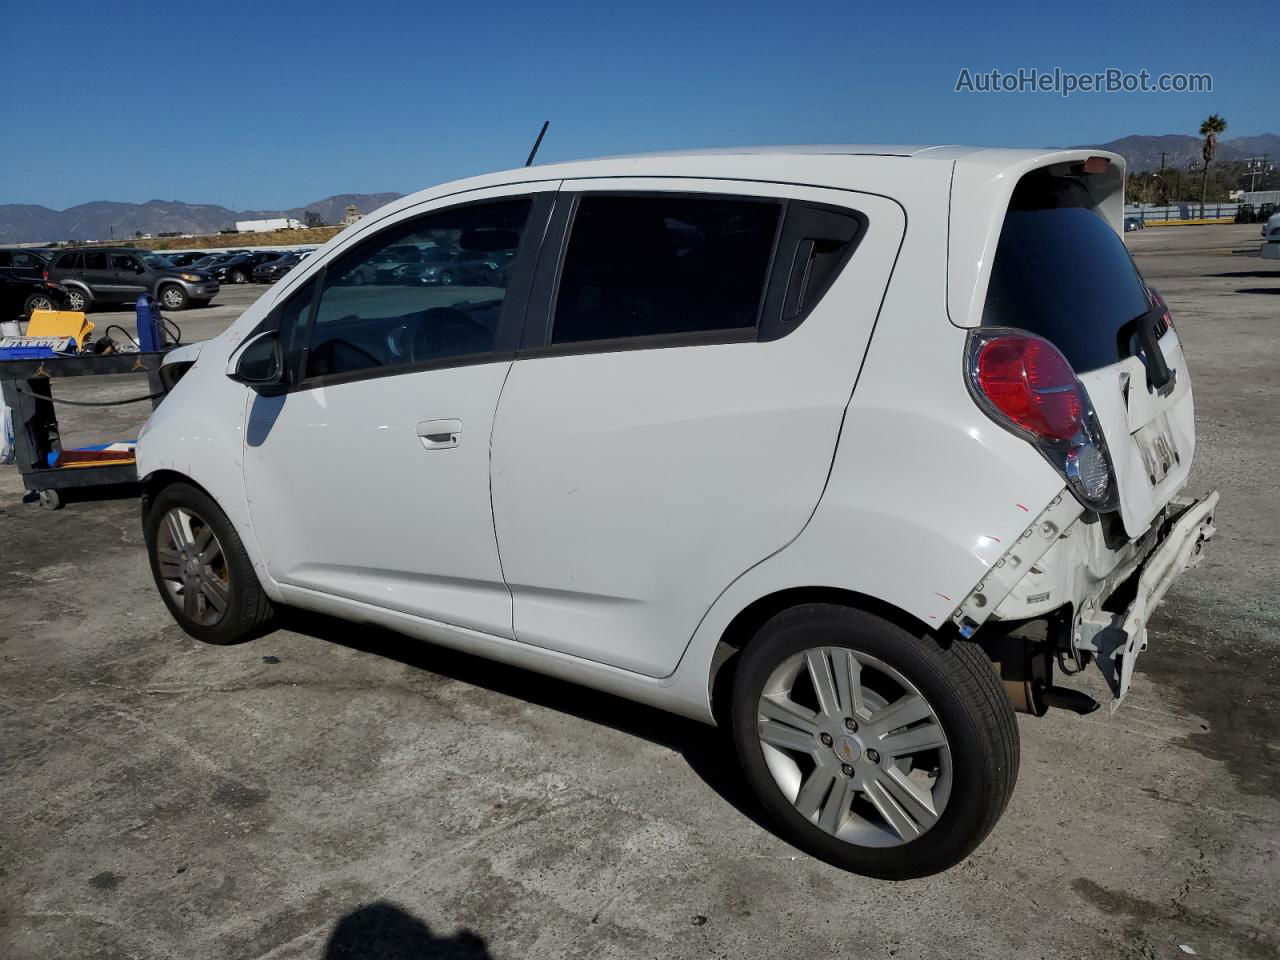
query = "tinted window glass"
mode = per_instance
[
  {"x": 417, "y": 294},
  {"x": 27, "y": 260},
  {"x": 646, "y": 266},
  {"x": 68, "y": 261},
  {"x": 6, "y": 258},
  {"x": 95, "y": 261},
  {"x": 122, "y": 261},
  {"x": 1065, "y": 275}
]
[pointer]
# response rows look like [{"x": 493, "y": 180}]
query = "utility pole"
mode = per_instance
[{"x": 1164, "y": 190}]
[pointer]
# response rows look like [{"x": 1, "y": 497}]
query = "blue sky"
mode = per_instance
[{"x": 277, "y": 104}]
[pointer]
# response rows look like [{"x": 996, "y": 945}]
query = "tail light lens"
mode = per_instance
[
  {"x": 1166, "y": 318},
  {"x": 1025, "y": 384},
  {"x": 44, "y": 274},
  {"x": 1031, "y": 384}
]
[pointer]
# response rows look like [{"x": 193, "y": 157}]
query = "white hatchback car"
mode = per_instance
[{"x": 840, "y": 447}]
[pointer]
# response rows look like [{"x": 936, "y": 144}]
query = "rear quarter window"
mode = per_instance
[{"x": 1065, "y": 275}]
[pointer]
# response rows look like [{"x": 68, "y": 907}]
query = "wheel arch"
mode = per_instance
[{"x": 746, "y": 623}]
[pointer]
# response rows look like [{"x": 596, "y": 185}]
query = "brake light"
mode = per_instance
[
  {"x": 1166, "y": 318},
  {"x": 1025, "y": 384},
  {"x": 44, "y": 275},
  {"x": 1030, "y": 382}
]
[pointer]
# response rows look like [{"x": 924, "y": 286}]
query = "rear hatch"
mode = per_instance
[{"x": 1063, "y": 273}]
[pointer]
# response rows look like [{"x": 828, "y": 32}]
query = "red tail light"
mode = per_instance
[
  {"x": 1029, "y": 382},
  {"x": 1025, "y": 384},
  {"x": 1166, "y": 319},
  {"x": 45, "y": 274}
]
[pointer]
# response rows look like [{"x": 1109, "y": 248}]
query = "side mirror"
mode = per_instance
[{"x": 261, "y": 364}]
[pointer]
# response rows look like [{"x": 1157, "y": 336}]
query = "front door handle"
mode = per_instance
[{"x": 440, "y": 434}]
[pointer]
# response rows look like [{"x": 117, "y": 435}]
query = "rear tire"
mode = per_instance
[
  {"x": 78, "y": 300},
  {"x": 239, "y": 276},
  {"x": 202, "y": 569},
  {"x": 958, "y": 755},
  {"x": 173, "y": 297}
]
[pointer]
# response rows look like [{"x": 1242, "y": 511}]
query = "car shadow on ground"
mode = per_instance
[
  {"x": 708, "y": 750},
  {"x": 1258, "y": 290},
  {"x": 1260, "y": 274},
  {"x": 384, "y": 931}
]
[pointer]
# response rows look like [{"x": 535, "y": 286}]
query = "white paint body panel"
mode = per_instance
[
  {"x": 629, "y": 488},
  {"x": 923, "y": 495}
]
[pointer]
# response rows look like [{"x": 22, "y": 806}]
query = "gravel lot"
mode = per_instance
[{"x": 334, "y": 791}]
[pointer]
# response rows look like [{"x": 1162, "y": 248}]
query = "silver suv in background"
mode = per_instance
[{"x": 122, "y": 275}]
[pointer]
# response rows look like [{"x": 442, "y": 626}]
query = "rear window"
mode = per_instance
[
  {"x": 649, "y": 266},
  {"x": 1065, "y": 275}
]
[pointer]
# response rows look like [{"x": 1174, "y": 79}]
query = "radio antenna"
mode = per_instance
[{"x": 537, "y": 143}]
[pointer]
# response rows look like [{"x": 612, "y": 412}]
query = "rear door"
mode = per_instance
[
  {"x": 690, "y": 350},
  {"x": 1061, "y": 272},
  {"x": 99, "y": 276}
]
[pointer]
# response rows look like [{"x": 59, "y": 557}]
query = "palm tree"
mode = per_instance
[{"x": 1210, "y": 129}]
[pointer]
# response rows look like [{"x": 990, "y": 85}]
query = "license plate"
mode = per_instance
[{"x": 1159, "y": 451}]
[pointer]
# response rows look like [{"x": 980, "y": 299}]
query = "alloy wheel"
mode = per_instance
[
  {"x": 172, "y": 298},
  {"x": 854, "y": 746},
  {"x": 193, "y": 566},
  {"x": 76, "y": 300},
  {"x": 40, "y": 303}
]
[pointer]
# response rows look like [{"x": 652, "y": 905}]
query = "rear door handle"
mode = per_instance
[{"x": 440, "y": 434}]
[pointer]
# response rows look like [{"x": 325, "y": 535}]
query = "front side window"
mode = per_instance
[
  {"x": 123, "y": 262},
  {"x": 418, "y": 293},
  {"x": 645, "y": 266}
]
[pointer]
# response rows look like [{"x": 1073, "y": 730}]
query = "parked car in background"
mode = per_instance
[
  {"x": 25, "y": 261},
  {"x": 273, "y": 270},
  {"x": 210, "y": 260},
  {"x": 1271, "y": 238},
  {"x": 1133, "y": 222},
  {"x": 105, "y": 275},
  {"x": 20, "y": 294},
  {"x": 185, "y": 259},
  {"x": 474, "y": 268},
  {"x": 744, "y": 447},
  {"x": 239, "y": 268}
]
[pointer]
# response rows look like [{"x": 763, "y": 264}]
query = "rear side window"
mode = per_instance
[
  {"x": 652, "y": 266},
  {"x": 1065, "y": 275},
  {"x": 95, "y": 261},
  {"x": 69, "y": 261}
]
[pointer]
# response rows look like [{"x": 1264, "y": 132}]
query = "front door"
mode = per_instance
[
  {"x": 127, "y": 277},
  {"x": 369, "y": 479}
]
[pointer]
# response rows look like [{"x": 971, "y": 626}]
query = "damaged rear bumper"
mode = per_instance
[
  {"x": 1108, "y": 592},
  {"x": 1116, "y": 638}
]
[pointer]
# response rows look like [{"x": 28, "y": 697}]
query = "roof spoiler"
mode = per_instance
[{"x": 981, "y": 187}]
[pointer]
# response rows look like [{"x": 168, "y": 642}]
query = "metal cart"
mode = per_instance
[{"x": 26, "y": 385}]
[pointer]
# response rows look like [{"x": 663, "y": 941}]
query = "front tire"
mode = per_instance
[
  {"x": 37, "y": 301},
  {"x": 201, "y": 568},
  {"x": 173, "y": 297},
  {"x": 874, "y": 748}
]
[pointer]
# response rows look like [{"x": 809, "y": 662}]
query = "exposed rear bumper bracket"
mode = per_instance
[{"x": 1116, "y": 639}]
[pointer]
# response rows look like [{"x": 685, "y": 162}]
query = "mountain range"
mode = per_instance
[
  {"x": 104, "y": 219},
  {"x": 1143, "y": 153}
]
